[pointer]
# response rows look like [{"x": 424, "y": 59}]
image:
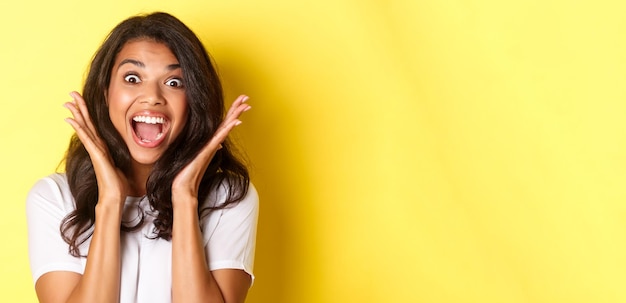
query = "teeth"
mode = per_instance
[
  {"x": 159, "y": 135},
  {"x": 149, "y": 120}
]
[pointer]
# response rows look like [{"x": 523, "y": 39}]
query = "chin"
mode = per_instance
[{"x": 146, "y": 160}]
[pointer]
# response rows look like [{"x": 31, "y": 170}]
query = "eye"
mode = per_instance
[
  {"x": 175, "y": 82},
  {"x": 132, "y": 78}
]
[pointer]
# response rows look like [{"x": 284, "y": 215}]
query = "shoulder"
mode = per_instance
[
  {"x": 249, "y": 205},
  {"x": 242, "y": 213},
  {"x": 52, "y": 183},
  {"x": 57, "y": 180},
  {"x": 51, "y": 189},
  {"x": 222, "y": 191}
]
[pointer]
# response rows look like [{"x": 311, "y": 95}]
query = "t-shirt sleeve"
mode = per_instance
[
  {"x": 47, "y": 204},
  {"x": 230, "y": 242}
]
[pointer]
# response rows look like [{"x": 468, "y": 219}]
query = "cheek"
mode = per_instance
[
  {"x": 117, "y": 113},
  {"x": 119, "y": 120},
  {"x": 181, "y": 118},
  {"x": 182, "y": 112},
  {"x": 118, "y": 101}
]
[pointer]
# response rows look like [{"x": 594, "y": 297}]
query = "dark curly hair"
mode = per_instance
[{"x": 205, "y": 113}]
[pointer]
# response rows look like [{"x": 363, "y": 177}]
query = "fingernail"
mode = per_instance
[
  {"x": 237, "y": 123},
  {"x": 245, "y": 98},
  {"x": 247, "y": 108}
]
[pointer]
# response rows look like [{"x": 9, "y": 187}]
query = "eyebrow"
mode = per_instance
[{"x": 142, "y": 65}]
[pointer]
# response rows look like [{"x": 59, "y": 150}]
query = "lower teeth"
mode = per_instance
[{"x": 159, "y": 135}]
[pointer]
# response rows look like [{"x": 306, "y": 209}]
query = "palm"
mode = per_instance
[
  {"x": 188, "y": 180},
  {"x": 112, "y": 183}
]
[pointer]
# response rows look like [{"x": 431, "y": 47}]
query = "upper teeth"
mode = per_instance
[{"x": 149, "y": 120}]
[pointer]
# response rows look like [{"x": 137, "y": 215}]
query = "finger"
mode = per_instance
[
  {"x": 240, "y": 100},
  {"x": 76, "y": 110},
  {"x": 229, "y": 123},
  {"x": 85, "y": 137},
  {"x": 209, "y": 150},
  {"x": 232, "y": 119},
  {"x": 78, "y": 119},
  {"x": 81, "y": 123},
  {"x": 223, "y": 132},
  {"x": 236, "y": 112},
  {"x": 80, "y": 101}
]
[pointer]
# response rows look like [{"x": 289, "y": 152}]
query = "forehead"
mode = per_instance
[{"x": 147, "y": 51}]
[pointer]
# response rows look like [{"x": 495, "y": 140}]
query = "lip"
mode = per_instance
[{"x": 165, "y": 129}]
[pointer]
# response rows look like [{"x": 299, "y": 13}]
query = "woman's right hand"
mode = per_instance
[{"x": 112, "y": 183}]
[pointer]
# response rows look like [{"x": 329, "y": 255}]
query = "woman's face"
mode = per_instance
[{"x": 146, "y": 99}]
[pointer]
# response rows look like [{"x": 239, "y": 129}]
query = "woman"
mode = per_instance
[{"x": 153, "y": 206}]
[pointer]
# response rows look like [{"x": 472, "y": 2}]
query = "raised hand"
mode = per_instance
[
  {"x": 112, "y": 183},
  {"x": 186, "y": 183}
]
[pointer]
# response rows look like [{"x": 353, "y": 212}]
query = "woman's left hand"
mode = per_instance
[{"x": 187, "y": 182}]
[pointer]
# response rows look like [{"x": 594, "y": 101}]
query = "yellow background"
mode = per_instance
[{"x": 404, "y": 150}]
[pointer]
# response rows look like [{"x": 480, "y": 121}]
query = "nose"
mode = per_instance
[{"x": 152, "y": 95}]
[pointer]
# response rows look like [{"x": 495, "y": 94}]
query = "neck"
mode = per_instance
[{"x": 138, "y": 178}]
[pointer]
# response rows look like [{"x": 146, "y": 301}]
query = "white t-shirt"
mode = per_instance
[{"x": 229, "y": 240}]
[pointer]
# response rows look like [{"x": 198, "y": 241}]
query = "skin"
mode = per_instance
[{"x": 154, "y": 65}]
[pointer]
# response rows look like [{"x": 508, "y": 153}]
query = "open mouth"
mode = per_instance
[{"x": 149, "y": 130}]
